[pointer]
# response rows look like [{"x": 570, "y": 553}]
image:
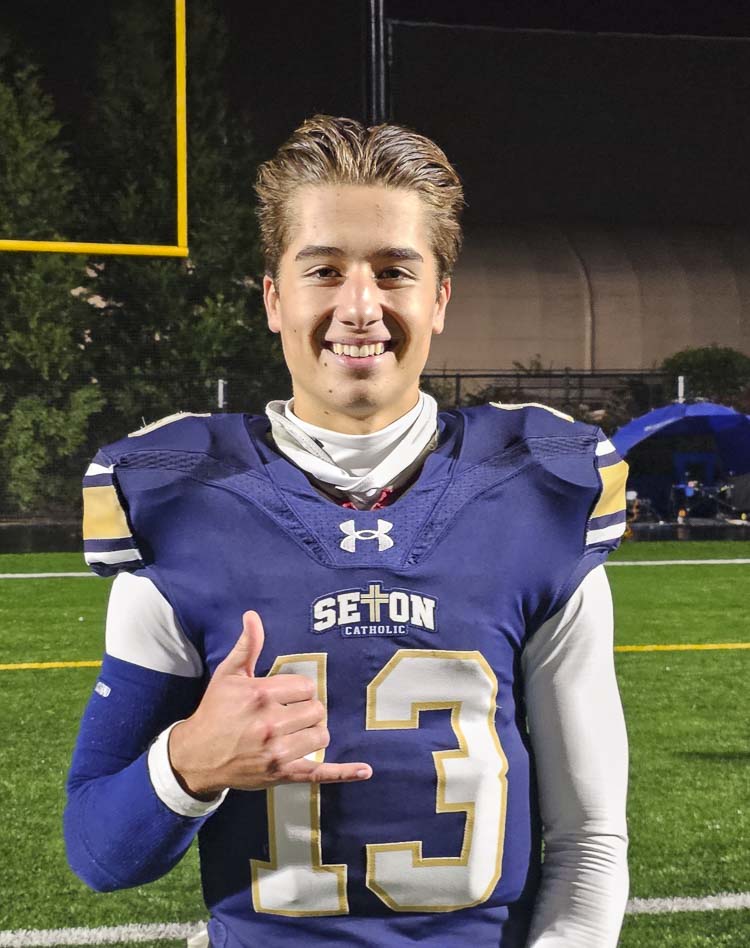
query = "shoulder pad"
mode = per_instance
[
  {"x": 604, "y": 526},
  {"x": 109, "y": 538},
  {"x": 574, "y": 453},
  {"x": 606, "y": 523},
  {"x": 493, "y": 428},
  {"x": 182, "y": 431}
]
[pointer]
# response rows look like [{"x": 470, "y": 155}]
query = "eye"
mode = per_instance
[
  {"x": 393, "y": 273},
  {"x": 323, "y": 273}
]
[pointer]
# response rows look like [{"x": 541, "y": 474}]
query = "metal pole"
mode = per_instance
[
  {"x": 589, "y": 314},
  {"x": 221, "y": 393},
  {"x": 376, "y": 105}
]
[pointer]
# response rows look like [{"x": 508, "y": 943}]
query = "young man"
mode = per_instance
[{"x": 424, "y": 680}]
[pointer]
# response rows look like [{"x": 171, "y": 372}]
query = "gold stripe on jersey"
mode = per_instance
[
  {"x": 103, "y": 516},
  {"x": 168, "y": 420},
  {"x": 503, "y": 406},
  {"x": 612, "y": 498}
]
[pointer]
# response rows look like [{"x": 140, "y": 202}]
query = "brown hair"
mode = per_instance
[{"x": 328, "y": 150}]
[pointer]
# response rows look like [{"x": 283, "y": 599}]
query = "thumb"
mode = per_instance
[{"x": 247, "y": 648}]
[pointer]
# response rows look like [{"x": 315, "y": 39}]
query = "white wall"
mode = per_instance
[{"x": 588, "y": 296}]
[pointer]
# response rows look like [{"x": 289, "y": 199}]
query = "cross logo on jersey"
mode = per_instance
[{"x": 349, "y": 543}]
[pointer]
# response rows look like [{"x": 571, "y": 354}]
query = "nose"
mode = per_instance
[{"x": 357, "y": 305}]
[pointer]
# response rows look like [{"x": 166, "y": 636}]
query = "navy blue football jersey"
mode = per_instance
[{"x": 410, "y": 620}]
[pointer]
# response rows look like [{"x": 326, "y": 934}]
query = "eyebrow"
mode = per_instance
[
  {"x": 399, "y": 253},
  {"x": 390, "y": 253},
  {"x": 318, "y": 250}
]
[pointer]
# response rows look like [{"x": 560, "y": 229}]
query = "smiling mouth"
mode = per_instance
[{"x": 364, "y": 351}]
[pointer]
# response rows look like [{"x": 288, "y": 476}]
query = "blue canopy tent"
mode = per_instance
[{"x": 729, "y": 429}]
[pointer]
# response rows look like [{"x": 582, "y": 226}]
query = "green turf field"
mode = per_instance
[{"x": 686, "y": 714}]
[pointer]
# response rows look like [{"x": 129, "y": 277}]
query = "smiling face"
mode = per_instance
[{"x": 356, "y": 302}]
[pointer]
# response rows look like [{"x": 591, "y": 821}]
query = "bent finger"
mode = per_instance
[
  {"x": 286, "y": 689},
  {"x": 291, "y": 718},
  {"x": 301, "y": 745}
]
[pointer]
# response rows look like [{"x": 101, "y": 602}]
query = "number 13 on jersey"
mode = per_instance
[{"x": 470, "y": 779}]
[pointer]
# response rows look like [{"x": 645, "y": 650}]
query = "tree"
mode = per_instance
[
  {"x": 90, "y": 348},
  {"x": 718, "y": 373},
  {"x": 164, "y": 330},
  {"x": 47, "y": 399}
]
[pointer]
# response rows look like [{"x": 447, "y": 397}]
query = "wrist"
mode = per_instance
[{"x": 191, "y": 778}]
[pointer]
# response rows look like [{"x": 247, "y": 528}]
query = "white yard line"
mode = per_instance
[
  {"x": 42, "y": 575},
  {"x": 49, "y": 938},
  {"x": 708, "y": 903},
  {"x": 676, "y": 562},
  {"x": 97, "y": 936},
  {"x": 737, "y": 562}
]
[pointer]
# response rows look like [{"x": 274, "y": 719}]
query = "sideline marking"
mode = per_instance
[
  {"x": 48, "y": 938},
  {"x": 711, "y": 646},
  {"x": 22, "y": 666},
  {"x": 741, "y": 562}
]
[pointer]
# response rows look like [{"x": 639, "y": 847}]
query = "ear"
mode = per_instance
[
  {"x": 272, "y": 304},
  {"x": 438, "y": 318}
]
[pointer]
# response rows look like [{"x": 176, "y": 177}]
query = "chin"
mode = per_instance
[{"x": 359, "y": 403}]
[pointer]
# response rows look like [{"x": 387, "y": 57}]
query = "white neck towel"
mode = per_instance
[{"x": 357, "y": 466}]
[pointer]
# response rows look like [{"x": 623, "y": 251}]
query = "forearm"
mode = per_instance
[
  {"x": 118, "y": 832},
  {"x": 583, "y": 893},
  {"x": 580, "y": 745}
]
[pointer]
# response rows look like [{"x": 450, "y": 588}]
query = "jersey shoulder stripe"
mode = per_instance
[
  {"x": 607, "y": 521},
  {"x": 167, "y": 420},
  {"x": 108, "y": 542}
]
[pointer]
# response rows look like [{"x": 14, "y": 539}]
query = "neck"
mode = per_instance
[{"x": 351, "y": 422}]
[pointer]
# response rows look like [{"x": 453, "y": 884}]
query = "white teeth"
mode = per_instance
[{"x": 358, "y": 352}]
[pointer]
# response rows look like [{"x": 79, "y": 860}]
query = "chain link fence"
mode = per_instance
[
  {"x": 606, "y": 398},
  {"x": 609, "y": 398}
]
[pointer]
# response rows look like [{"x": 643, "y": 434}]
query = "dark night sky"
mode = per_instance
[{"x": 583, "y": 116}]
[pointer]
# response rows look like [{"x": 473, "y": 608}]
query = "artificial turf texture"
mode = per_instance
[
  {"x": 686, "y": 930},
  {"x": 688, "y": 805}
]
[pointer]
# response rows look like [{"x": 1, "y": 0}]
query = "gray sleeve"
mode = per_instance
[{"x": 580, "y": 747}]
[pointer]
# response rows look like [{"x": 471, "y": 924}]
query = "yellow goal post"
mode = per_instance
[{"x": 180, "y": 248}]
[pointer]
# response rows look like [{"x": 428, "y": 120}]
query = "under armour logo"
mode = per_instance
[{"x": 349, "y": 543}]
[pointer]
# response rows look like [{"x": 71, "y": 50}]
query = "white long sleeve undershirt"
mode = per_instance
[
  {"x": 576, "y": 729},
  {"x": 580, "y": 747}
]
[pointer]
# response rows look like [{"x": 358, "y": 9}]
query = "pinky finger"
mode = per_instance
[{"x": 308, "y": 771}]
